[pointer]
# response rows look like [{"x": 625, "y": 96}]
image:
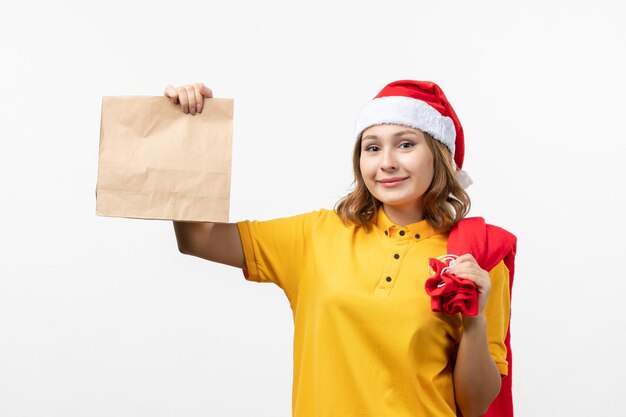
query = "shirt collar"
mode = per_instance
[{"x": 418, "y": 230}]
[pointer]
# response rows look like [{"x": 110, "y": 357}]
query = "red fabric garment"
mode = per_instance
[
  {"x": 449, "y": 293},
  {"x": 489, "y": 245}
]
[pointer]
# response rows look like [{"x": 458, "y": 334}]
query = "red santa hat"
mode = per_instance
[{"x": 420, "y": 105}]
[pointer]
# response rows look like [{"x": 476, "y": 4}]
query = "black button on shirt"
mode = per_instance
[
  {"x": 388, "y": 279},
  {"x": 396, "y": 256},
  {"x": 401, "y": 232},
  {"x": 417, "y": 236}
]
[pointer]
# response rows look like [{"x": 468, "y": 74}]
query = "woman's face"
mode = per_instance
[{"x": 397, "y": 165}]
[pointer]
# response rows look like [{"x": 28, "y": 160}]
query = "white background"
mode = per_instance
[{"x": 103, "y": 317}]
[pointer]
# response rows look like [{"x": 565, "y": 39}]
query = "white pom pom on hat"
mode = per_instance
[{"x": 420, "y": 105}]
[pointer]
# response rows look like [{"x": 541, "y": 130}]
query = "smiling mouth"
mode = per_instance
[{"x": 391, "y": 180}]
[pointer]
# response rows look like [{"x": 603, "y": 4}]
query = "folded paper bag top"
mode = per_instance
[{"x": 156, "y": 162}]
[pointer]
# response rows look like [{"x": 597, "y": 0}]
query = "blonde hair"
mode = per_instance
[{"x": 445, "y": 201}]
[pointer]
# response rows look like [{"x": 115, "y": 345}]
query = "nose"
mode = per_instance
[{"x": 388, "y": 162}]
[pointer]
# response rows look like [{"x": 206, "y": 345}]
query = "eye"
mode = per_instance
[
  {"x": 372, "y": 148},
  {"x": 407, "y": 145}
]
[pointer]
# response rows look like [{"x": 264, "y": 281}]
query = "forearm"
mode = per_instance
[
  {"x": 188, "y": 233},
  {"x": 217, "y": 242},
  {"x": 477, "y": 379}
]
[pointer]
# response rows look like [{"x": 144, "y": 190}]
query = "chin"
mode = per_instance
[{"x": 396, "y": 201}]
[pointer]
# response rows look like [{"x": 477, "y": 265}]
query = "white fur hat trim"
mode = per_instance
[{"x": 407, "y": 111}]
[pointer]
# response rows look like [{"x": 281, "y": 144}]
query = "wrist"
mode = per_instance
[{"x": 474, "y": 322}]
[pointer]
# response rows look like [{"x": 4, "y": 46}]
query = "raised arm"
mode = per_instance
[{"x": 217, "y": 242}]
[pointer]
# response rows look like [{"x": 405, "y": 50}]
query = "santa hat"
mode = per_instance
[{"x": 420, "y": 105}]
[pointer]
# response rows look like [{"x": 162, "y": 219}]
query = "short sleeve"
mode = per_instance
[
  {"x": 275, "y": 250},
  {"x": 497, "y": 312}
]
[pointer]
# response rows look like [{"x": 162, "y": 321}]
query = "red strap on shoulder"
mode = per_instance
[{"x": 489, "y": 245}]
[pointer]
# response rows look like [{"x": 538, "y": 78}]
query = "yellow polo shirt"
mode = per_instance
[{"x": 366, "y": 343}]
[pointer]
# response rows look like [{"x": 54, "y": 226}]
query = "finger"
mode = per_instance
[
  {"x": 464, "y": 266},
  {"x": 199, "y": 99},
  {"x": 191, "y": 95},
  {"x": 477, "y": 279},
  {"x": 460, "y": 270},
  {"x": 171, "y": 92},
  {"x": 206, "y": 91},
  {"x": 482, "y": 282},
  {"x": 465, "y": 258},
  {"x": 184, "y": 99},
  {"x": 468, "y": 268}
]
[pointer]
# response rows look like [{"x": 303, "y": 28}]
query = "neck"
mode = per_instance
[{"x": 403, "y": 215}]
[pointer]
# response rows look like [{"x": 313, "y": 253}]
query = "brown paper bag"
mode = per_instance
[{"x": 156, "y": 162}]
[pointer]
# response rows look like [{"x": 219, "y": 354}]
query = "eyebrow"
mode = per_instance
[{"x": 400, "y": 133}]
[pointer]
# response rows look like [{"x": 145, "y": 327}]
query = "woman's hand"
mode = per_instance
[
  {"x": 465, "y": 266},
  {"x": 191, "y": 96}
]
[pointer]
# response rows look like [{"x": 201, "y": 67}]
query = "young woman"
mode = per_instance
[{"x": 366, "y": 342}]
